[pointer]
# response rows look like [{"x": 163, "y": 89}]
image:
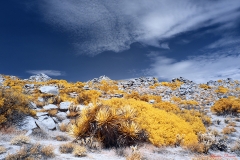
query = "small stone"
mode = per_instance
[
  {"x": 50, "y": 106},
  {"x": 65, "y": 105}
]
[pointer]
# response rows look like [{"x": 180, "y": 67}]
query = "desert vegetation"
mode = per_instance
[{"x": 104, "y": 114}]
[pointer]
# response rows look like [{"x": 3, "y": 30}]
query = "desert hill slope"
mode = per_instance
[{"x": 141, "y": 118}]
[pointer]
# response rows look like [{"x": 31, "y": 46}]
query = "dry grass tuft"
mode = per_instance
[
  {"x": 52, "y": 112},
  {"x": 21, "y": 139},
  {"x": 64, "y": 127},
  {"x": 48, "y": 151},
  {"x": 236, "y": 148},
  {"x": 196, "y": 147},
  {"x": 228, "y": 130},
  {"x": 66, "y": 148},
  {"x": 135, "y": 155},
  {"x": 2, "y": 149},
  {"x": 79, "y": 151},
  {"x": 232, "y": 124},
  {"x": 32, "y": 152},
  {"x": 61, "y": 138}
]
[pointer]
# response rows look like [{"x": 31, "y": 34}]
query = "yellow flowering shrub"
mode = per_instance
[
  {"x": 85, "y": 97},
  {"x": 221, "y": 89},
  {"x": 113, "y": 126},
  {"x": 162, "y": 127},
  {"x": 167, "y": 106},
  {"x": 108, "y": 86},
  {"x": 13, "y": 103},
  {"x": 154, "y": 86},
  {"x": 230, "y": 105},
  {"x": 204, "y": 86},
  {"x": 172, "y": 85},
  {"x": 145, "y": 97}
]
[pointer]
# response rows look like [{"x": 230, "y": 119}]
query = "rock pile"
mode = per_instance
[
  {"x": 98, "y": 80},
  {"x": 137, "y": 82},
  {"x": 39, "y": 78}
]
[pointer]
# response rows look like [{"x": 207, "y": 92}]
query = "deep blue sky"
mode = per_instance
[{"x": 78, "y": 40}]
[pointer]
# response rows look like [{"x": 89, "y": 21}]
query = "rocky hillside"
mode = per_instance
[{"x": 179, "y": 118}]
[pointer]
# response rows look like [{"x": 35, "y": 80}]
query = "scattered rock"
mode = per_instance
[
  {"x": 49, "y": 123},
  {"x": 28, "y": 123},
  {"x": 64, "y": 106},
  {"x": 41, "y": 113},
  {"x": 50, "y": 106},
  {"x": 49, "y": 89},
  {"x": 61, "y": 116}
]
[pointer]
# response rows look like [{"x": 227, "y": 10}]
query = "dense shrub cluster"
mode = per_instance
[
  {"x": 230, "y": 105},
  {"x": 112, "y": 123},
  {"x": 13, "y": 105}
]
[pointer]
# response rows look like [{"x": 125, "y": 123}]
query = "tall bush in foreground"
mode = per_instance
[
  {"x": 13, "y": 105},
  {"x": 115, "y": 125}
]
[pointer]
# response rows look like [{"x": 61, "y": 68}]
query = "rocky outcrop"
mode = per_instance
[
  {"x": 39, "y": 78},
  {"x": 137, "y": 82}
]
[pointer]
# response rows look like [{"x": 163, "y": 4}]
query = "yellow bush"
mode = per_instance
[
  {"x": 113, "y": 126},
  {"x": 204, "y": 86},
  {"x": 172, "y": 85},
  {"x": 230, "y": 105},
  {"x": 167, "y": 106},
  {"x": 222, "y": 89},
  {"x": 145, "y": 97},
  {"x": 108, "y": 86},
  {"x": 12, "y": 104},
  {"x": 161, "y": 127},
  {"x": 154, "y": 85},
  {"x": 176, "y": 99},
  {"x": 88, "y": 96}
]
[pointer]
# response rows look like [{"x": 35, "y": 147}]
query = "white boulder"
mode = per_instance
[
  {"x": 65, "y": 105},
  {"x": 50, "y": 106},
  {"x": 61, "y": 116},
  {"x": 28, "y": 123},
  {"x": 49, "y": 89}
]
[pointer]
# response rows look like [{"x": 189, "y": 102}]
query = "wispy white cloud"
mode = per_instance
[
  {"x": 47, "y": 72},
  {"x": 211, "y": 66},
  {"x": 164, "y": 45},
  {"x": 98, "y": 26}
]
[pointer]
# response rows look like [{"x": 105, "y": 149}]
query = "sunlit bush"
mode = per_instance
[
  {"x": 88, "y": 96},
  {"x": 12, "y": 105},
  {"x": 172, "y": 85},
  {"x": 230, "y": 105},
  {"x": 222, "y": 89},
  {"x": 114, "y": 127},
  {"x": 204, "y": 86},
  {"x": 161, "y": 127}
]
